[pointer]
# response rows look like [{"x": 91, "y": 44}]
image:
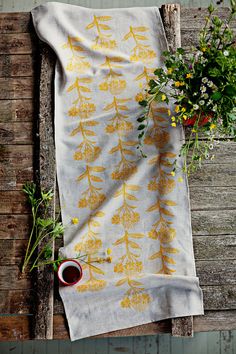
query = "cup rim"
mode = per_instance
[{"x": 60, "y": 278}]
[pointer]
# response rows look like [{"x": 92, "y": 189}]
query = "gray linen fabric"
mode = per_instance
[{"x": 128, "y": 216}]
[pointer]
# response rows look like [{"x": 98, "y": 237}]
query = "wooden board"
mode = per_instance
[{"x": 213, "y": 199}]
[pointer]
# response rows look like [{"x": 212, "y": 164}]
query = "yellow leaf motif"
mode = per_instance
[
  {"x": 155, "y": 255},
  {"x": 121, "y": 282}
]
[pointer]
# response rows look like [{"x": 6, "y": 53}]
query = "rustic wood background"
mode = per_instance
[{"x": 213, "y": 197}]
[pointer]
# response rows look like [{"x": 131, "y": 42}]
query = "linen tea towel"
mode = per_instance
[{"x": 110, "y": 197}]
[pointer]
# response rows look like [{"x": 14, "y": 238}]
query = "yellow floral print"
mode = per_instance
[
  {"x": 145, "y": 76},
  {"x": 77, "y": 61},
  {"x": 164, "y": 183},
  {"x": 90, "y": 245},
  {"x": 121, "y": 127},
  {"x": 92, "y": 197},
  {"x": 129, "y": 264},
  {"x": 141, "y": 52},
  {"x": 112, "y": 82},
  {"x": 103, "y": 40},
  {"x": 157, "y": 135}
]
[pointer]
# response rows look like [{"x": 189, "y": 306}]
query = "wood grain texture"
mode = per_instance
[
  {"x": 46, "y": 177},
  {"x": 16, "y": 65},
  {"x": 17, "y": 43},
  {"x": 216, "y": 297},
  {"x": 16, "y": 133},
  {"x": 17, "y": 22},
  {"x": 18, "y": 328},
  {"x": 20, "y": 110},
  {"x": 14, "y": 88},
  {"x": 14, "y": 226}
]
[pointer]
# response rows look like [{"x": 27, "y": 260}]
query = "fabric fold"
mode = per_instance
[{"x": 136, "y": 208}]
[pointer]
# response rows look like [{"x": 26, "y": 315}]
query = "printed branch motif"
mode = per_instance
[
  {"x": 87, "y": 149},
  {"x": 77, "y": 61},
  {"x": 112, "y": 83},
  {"x": 129, "y": 264},
  {"x": 141, "y": 52},
  {"x": 158, "y": 135},
  {"x": 102, "y": 40},
  {"x": 92, "y": 196},
  {"x": 145, "y": 76},
  {"x": 164, "y": 182},
  {"x": 121, "y": 127},
  {"x": 90, "y": 245}
]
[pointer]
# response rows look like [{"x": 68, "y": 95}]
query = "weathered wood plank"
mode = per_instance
[
  {"x": 215, "y": 247},
  {"x": 207, "y": 222},
  {"x": 11, "y": 276},
  {"x": 214, "y": 175},
  {"x": 16, "y": 166},
  {"x": 13, "y": 202},
  {"x": 15, "y": 226},
  {"x": 21, "y": 110},
  {"x": 15, "y": 328},
  {"x": 218, "y": 298},
  {"x": 194, "y": 18},
  {"x": 43, "y": 327},
  {"x": 205, "y": 248},
  {"x": 215, "y": 199},
  {"x": 14, "y": 88},
  {"x": 16, "y": 65},
  {"x": 16, "y": 133},
  {"x": 205, "y": 198},
  {"x": 216, "y": 272},
  {"x": 19, "y": 22},
  {"x": 15, "y": 22},
  {"x": 17, "y": 43}
]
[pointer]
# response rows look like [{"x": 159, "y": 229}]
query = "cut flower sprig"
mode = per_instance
[{"x": 202, "y": 85}]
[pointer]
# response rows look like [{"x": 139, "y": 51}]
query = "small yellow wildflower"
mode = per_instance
[
  {"x": 169, "y": 71},
  {"x": 140, "y": 85},
  {"x": 203, "y": 49},
  {"x": 188, "y": 76},
  {"x": 177, "y": 84},
  {"x": 139, "y": 97},
  {"x": 169, "y": 112},
  {"x": 74, "y": 221},
  {"x": 182, "y": 83},
  {"x": 173, "y": 124},
  {"x": 212, "y": 126},
  {"x": 109, "y": 251},
  {"x": 194, "y": 130},
  {"x": 173, "y": 118},
  {"x": 177, "y": 109},
  {"x": 183, "y": 109},
  {"x": 109, "y": 259},
  {"x": 180, "y": 179},
  {"x": 184, "y": 116},
  {"x": 163, "y": 97},
  {"x": 172, "y": 173}
]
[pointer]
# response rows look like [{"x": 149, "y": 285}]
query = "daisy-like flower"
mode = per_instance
[
  {"x": 214, "y": 108},
  {"x": 204, "y": 80},
  {"x": 195, "y": 107},
  {"x": 210, "y": 83},
  {"x": 212, "y": 126},
  {"x": 188, "y": 76},
  {"x": 201, "y": 102},
  {"x": 203, "y": 89},
  {"x": 226, "y": 53},
  {"x": 205, "y": 95}
]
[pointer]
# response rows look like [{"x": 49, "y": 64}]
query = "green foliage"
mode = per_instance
[
  {"x": 43, "y": 228},
  {"x": 202, "y": 84}
]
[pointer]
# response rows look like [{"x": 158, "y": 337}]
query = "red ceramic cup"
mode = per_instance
[{"x": 69, "y": 272}]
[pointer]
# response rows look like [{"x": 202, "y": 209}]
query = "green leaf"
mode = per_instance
[
  {"x": 230, "y": 90},
  {"x": 141, "y": 119},
  {"x": 141, "y": 127},
  {"x": 143, "y": 103},
  {"x": 216, "y": 96}
]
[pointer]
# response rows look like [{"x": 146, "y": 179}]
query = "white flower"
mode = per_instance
[
  {"x": 226, "y": 53},
  {"x": 211, "y": 146},
  {"x": 203, "y": 89},
  {"x": 210, "y": 83},
  {"x": 195, "y": 107},
  {"x": 204, "y": 80},
  {"x": 205, "y": 95},
  {"x": 201, "y": 102},
  {"x": 214, "y": 108}
]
